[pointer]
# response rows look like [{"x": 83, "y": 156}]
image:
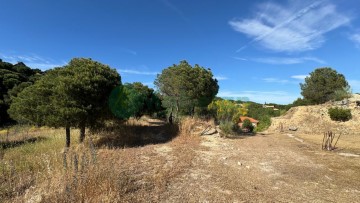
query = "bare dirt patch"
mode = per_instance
[{"x": 265, "y": 168}]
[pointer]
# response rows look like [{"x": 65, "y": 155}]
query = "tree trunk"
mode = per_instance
[
  {"x": 67, "y": 137},
  {"x": 177, "y": 110},
  {"x": 171, "y": 118},
  {"x": 82, "y": 133}
]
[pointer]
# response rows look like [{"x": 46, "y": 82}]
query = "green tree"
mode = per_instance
[
  {"x": 75, "y": 95},
  {"x": 13, "y": 79},
  {"x": 183, "y": 87},
  {"x": 321, "y": 85},
  {"x": 134, "y": 100}
]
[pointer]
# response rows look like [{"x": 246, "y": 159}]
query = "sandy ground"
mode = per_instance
[{"x": 264, "y": 168}]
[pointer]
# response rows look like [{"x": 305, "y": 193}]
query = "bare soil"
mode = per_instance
[{"x": 264, "y": 168}]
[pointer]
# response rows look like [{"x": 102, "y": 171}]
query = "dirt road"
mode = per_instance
[{"x": 263, "y": 168}]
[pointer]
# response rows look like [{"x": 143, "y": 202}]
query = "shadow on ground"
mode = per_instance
[
  {"x": 17, "y": 143},
  {"x": 136, "y": 135}
]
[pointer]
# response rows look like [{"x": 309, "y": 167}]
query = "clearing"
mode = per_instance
[{"x": 268, "y": 167}]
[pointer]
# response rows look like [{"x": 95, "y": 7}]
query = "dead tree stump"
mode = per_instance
[{"x": 328, "y": 139}]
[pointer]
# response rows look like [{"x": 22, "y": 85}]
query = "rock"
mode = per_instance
[
  {"x": 211, "y": 131},
  {"x": 293, "y": 128}
]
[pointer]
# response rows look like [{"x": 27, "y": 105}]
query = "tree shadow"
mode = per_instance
[
  {"x": 17, "y": 143},
  {"x": 136, "y": 135}
]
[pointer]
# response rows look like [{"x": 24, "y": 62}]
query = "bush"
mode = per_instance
[
  {"x": 264, "y": 123},
  {"x": 248, "y": 125},
  {"x": 338, "y": 114},
  {"x": 229, "y": 128}
]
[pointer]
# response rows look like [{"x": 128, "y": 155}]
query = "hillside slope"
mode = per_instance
[{"x": 315, "y": 119}]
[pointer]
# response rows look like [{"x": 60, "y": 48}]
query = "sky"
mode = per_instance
[{"x": 260, "y": 50}]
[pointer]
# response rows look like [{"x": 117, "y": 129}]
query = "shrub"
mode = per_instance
[
  {"x": 248, "y": 125},
  {"x": 226, "y": 111},
  {"x": 338, "y": 114},
  {"x": 229, "y": 128},
  {"x": 264, "y": 123}
]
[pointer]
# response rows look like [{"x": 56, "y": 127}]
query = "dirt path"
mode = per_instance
[{"x": 265, "y": 168}]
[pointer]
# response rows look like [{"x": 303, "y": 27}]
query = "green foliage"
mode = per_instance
[
  {"x": 134, "y": 100},
  {"x": 339, "y": 114},
  {"x": 264, "y": 123},
  {"x": 322, "y": 84},
  {"x": 301, "y": 102},
  {"x": 341, "y": 94},
  {"x": 248, "y": 125},
  {"x": 13, "y": 79},
  {"x": 229, "y": 128},
  {"x": 71, "y": 96},
  {"x": 183, "y": 87},
  {"x": 227, "y": 111}
]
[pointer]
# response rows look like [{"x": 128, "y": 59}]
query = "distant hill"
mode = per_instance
[{"x": 13, "y": 79}]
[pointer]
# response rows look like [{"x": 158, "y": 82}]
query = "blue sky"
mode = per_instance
[{"x": 256, "y": 49}]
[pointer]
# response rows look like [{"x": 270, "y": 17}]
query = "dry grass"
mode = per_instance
[
  {"x": 103, "y": 169},
  {"x": 182, "y": 168}
]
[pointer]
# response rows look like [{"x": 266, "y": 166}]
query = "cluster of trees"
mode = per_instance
[
  {"x": 85, "y": 93},
  {"x": 71, "y": 96},
  {"x": 13, "y": 79}
]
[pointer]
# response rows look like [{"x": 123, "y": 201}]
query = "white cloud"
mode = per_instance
[
  {"x": 279, "y": 97},
  {"x": 282, "y": 60},
  {"x": 356, "y": 38},
  {"x": 220, "y": 77},
  {"x": 32, "y": 60},
  {"x": 299, "y": 77},
  {"x": 287, "y": 61},
  {"x": 276, "y": 80},
  {"x": 290, "y": 28},
  {"x": 136, "y": 72}
]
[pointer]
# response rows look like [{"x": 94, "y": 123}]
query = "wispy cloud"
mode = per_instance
[
  {"x": 218, "y": 77},
  {"x": 174, "y": 8},
  {"x": 32, "y": 60},
  {"x": 129, "y": 51},
  {"x": 279, "y": 97},
  {"x": 283, "y": 60},
  {"x": 287, "y": 60},
  {"x": 290, "y": 28},
  {"x": 295, "y": 79},
  {"x": 239, "y": 58},
  {"x": 356, "y": 38},
  {"x": 137, "y": 72},
  {"x": 276, "y": 80},
  {"x": 299, "y": 77}
]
